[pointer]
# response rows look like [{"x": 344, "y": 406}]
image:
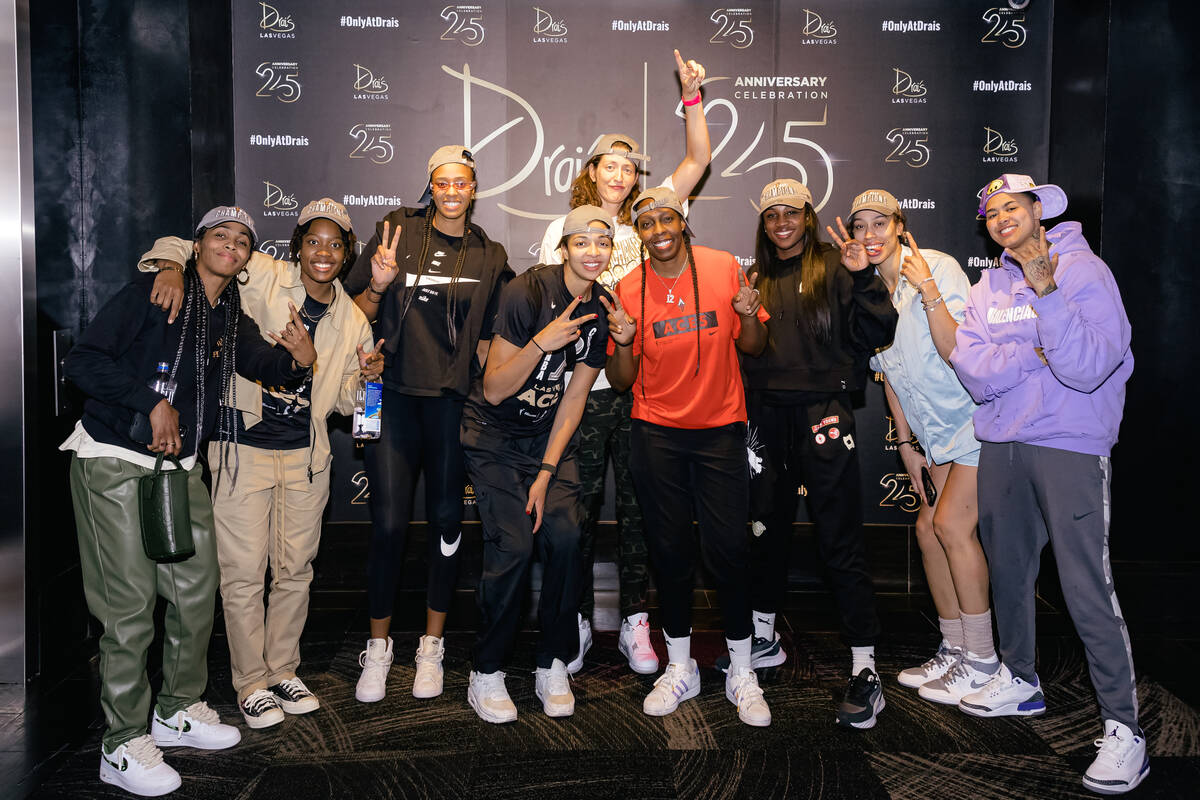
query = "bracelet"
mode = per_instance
[
  {"x": 932, "y": 303},
  {"x": 551, "y": 468},
  {"x": 905, "y": 442},
  {"x": 691, "y": 102},
  {"x": 538, "y": 346},
  {"x": 168, "y": 267},
  {"x": 922, "y": 283},
  {"x": 373, "y": 290}
]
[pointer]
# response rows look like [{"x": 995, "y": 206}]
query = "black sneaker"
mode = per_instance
[
  {"x": 260, "y": 709},
  {"x": 763, "y": 653},
  {"x": 863, "y": 700},
  {"x": 294, "y": 697}
]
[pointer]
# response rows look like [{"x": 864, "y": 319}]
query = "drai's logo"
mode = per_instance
[
  {"x": 368, "y": 85},
  {"x": 277, "y": 202},
  {"x": 465, "y": 24},
  {"x": 273, "y": 25},
  {"x": 278, "y": 249},
  {"x": 909, "y": 146},
  {"x": 547, "y": 29},
  {"x": 905, "y": 89},
  {"x": 733, "y": 27},
  {"x": 372, "y": 140},
  {"x": 997, "y": 148},
  {"x": 899, "y": 492},
  {"x": 1006, "y": 27},
  {"x": 280, "y": 79},
  {"x": 817, "y": 30}
]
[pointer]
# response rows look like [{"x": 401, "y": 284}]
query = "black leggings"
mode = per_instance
[
  {"x": 678, "y": 472},
  {"x": 419, "y": 433}
]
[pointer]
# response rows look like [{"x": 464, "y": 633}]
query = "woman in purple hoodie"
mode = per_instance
[{"x": 1044, "y": 350}]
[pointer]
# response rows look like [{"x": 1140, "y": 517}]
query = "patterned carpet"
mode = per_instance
[{"x": 405, "y": 748}]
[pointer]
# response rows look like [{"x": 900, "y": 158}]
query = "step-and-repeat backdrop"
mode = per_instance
[{"x": 927, "y": 99}]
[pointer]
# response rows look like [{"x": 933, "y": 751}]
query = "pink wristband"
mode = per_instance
[{"x": 693, "y": 101}]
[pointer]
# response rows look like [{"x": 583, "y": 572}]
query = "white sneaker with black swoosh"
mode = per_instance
[
  {"x": 965, "y": 677},
  {"x": 678, "y": 682}
]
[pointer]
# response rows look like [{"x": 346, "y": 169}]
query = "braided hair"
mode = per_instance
[
  {"x": 452, "y": 289},
  {"x": 691, "y": 265},
  {"x": 197, "y": 315}
]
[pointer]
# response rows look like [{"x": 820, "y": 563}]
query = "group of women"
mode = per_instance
[{"x": 715, "y": 393}]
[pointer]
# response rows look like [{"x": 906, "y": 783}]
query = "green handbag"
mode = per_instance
[{"x": 166, "y": 518}]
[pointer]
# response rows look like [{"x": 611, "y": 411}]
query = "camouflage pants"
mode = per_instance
[{"x": 604, "y": 433}]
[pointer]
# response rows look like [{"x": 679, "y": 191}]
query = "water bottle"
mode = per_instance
[
  {"x": 368, "y": 410},
  {"x": 162, "y": 382}
]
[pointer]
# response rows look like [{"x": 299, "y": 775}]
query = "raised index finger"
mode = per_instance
[
  {"x": 395, "y": 238},
  {"x": 679, "y": 63},
  {"x": 741, "y": 277},
  {"x": 912, "y": 244},
  {"x": 387, "y": 226},
  {"x": 571, "y": 307},
  {"x": 841, "y": 227}
]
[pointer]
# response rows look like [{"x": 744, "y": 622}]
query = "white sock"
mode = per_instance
[
  {"x": 634, "y": 619},
  {"x": 739, "y": 654},
  {"x": 952, "y": 632},
  {"x": 679, "y": 651},
  {"x": 764, "y": 626},
  {"x": 862, "y": 658},
  {"x": 977, "y": 631}
]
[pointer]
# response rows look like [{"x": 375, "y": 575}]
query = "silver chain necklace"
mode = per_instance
[{"x": 670, "y": 289}]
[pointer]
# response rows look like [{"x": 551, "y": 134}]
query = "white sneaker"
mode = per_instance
[
  {"x": 428, "y": 680},
  {"x": 678, "y": 682},
  {"x": 962, "y": 679},
  {"x": 260, "y": 709},
  {"x": 553, "y": 688},
  {"x": 1122, "y": 762},
  {"x": 1005, "y": 695},
  {"x": 585, "y": 644},
  {"x": 196, "y": 726},
  {"x": 294, "y": 697},
  {"x": 937, "y": 666},
  {"x": 742, "y": 689},
  {"x": 376, "y": 660},
  {"x": 137, "y": 766},
  {"x": 489, "y": 698},
  {"x": 634, "y": 644}
]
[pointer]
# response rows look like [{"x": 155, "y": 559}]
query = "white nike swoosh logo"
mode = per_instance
[
  {"x": 434, "y": 280},
  {"x": 450, "y": 549}
]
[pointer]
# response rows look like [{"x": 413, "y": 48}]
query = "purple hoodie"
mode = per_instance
[{"x": 1076, "y": 402}]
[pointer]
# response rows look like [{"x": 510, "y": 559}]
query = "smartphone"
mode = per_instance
[{"x": 927, "y": 484}]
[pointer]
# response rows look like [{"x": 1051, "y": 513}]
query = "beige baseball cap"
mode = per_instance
[
  {"x": 659, "y": 197},
  {"x": 580, "y": 221},
  {"x": 221, "y": 214},
  {"x": 451, "y": 154},
  {"x": 784, "y": 192},
  {"x": 617, "y": 144},
  {"x": 874, "y": 200},
  {"x": 326, "y": 208}
]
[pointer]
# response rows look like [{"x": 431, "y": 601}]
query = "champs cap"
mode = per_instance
[
  {"x": 580, "y": 221},
  {"x": 226, "y": 214},
  {"x": 874, "y": 200},
  {"x": 659, "y": 197},
  {"x": 326, "y": 208},
  {"x": 1053, "y": 198},
  {"x": 784, "y": 192},
  {"x": 616, "y": 144},
  {"x": 446, "y": 154}
]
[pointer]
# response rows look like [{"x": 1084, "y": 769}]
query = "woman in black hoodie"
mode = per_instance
[{"x": 828, "y": 315}]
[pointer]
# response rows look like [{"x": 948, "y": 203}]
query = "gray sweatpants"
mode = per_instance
[{"x": 1029, "y": 495}]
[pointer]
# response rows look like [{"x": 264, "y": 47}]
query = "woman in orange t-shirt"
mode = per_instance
[{"x": 679, "y": 321}]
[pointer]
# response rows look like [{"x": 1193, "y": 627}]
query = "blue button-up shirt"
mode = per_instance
[{"x": 936, "y": 405}]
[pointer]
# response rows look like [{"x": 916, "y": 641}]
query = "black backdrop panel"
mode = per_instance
[{"x": 926, "y": 99}]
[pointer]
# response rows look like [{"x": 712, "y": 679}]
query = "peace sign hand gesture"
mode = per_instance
[
  {"x": 621, "y": 327},
  {"x": 914, "y": 267},
  {"x": 562, "y": 330},
  {"x": 295, "y": 339},
  {"x": 1037, "y": 263},
  {"x": 691, "y": 75},
  {"x": 383, "y": 261},
  {"x": 854, "y": 254},
  {"x": 747, "y": 301}
]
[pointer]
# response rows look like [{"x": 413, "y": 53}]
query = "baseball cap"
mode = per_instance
[
  {"x": 784, "y": 192},
  {"x": 580, "y": 221},
  {"x": 221, "y": 214},
  {"x": 616, "y": 144},
  {"x": 1053, "y": 198},
  {"x": 326, "y": 208},
  {"x": 874, "y": 200},
  {"x": 659, "y": 197},
  {"x": 446, "y": 154}
]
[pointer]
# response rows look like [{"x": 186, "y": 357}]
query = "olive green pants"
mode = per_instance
[{"x": 122, "y": 586}]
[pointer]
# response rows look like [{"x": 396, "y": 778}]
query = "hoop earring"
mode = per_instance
[{"x": 243, "y": 277}]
